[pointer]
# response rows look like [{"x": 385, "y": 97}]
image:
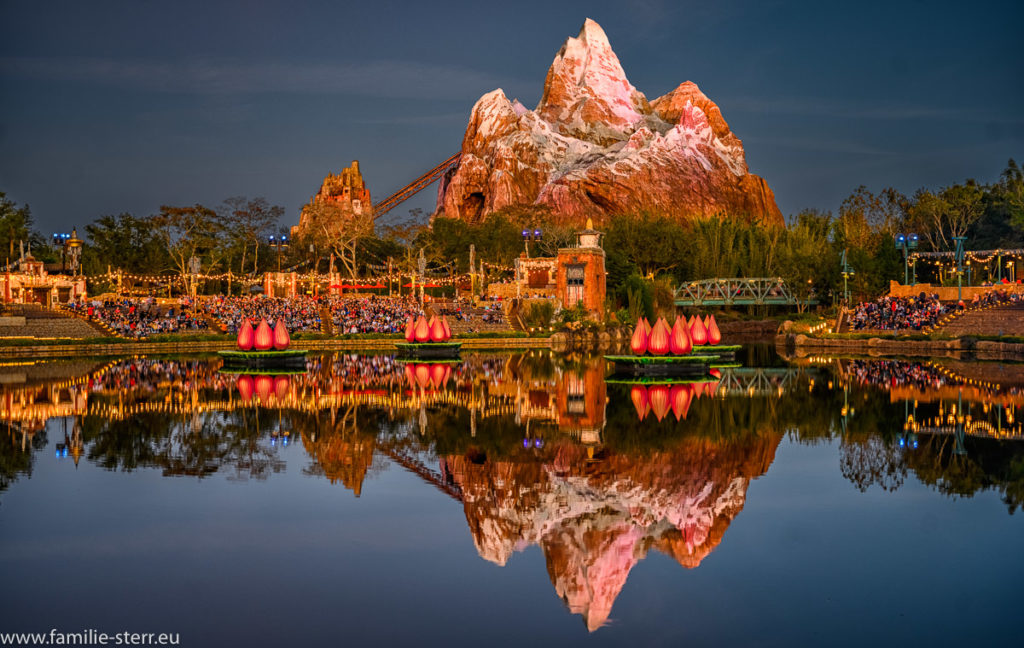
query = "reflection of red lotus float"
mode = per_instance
[
  {"x": 428, "y": 339},
  {"x": 267, "y": 389},
  {"x": 426, "y": 376},
  {"x": 687, "y": 348},
  {"x": 660, "y": 399},
  {"x": 264, "y": 348}
]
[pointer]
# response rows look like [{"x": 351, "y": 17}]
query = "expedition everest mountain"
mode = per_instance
[{"x": 595, "y": 146}]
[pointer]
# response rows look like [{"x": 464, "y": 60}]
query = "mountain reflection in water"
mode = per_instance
[{"x": 538, "y": 449}]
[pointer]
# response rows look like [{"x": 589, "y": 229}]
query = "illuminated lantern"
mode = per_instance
[
  {"x": 689, "y": 322},
  {"x": 281, "y": 384},
  {"x": 647, "y": 327},
  {"x": 246, "y": 336},
  {"x": 447, "y": 329},
  {"x": 638, "y": 343},
  {"x": 698, "y": 333},
  {"x": 264, "y": 337},
  {"x": 638, "y": 394},
  {"x": 410, "y": 330},
  {"x": 659, "y": 395},
  {"x": 245, "y": 386},
  {"x": 680, "y": 397},
  {"x": 436, "y": 330},
  {"x": 281, "y": 337},
  {"x": 679, "y": 342},
  {"x": 714, "y": 335},
  {"x": 422, "y": 330},
  {"x": 658, "y": 342},
  {"x": 423, "y": 375},
  {"x": 264, "y": 386},
  {"x": 437, "y": 375}
]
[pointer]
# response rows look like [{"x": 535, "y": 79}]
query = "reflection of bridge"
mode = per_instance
[
  {"x": 757, "y": 381},
  {"x": 414, "y": 187},
  {"x": 771, "y": 291}
]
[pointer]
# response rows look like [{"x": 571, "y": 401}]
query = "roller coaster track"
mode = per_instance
[{"x": 414, "y": 187}]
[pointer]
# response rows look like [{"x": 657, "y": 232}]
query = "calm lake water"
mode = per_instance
[{"x": 514, "y": 499}]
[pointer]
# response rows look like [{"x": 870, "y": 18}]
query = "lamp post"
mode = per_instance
[
  {"x": 60, "y": 239},
  {"x": 278, "y": 242},
  {"x": 530, "y": 235},
  {"x": 421, "y": 263},
  {"x": 959, "y": 254},
  {"x": 905, "y": 243},
  {"x": 847, "y": 273}
]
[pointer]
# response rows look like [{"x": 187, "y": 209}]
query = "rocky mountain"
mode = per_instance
[
  {"x": 595, "y": 521},
  {"x": 595, "y": 146}
]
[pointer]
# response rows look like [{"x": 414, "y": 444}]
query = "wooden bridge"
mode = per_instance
[
  {"x": 414, "y": 187},
  {"x": 741, "y": 291}
]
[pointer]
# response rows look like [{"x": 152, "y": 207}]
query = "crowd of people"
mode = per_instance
[
  {"x": 897, "y": 313},
  {"x": 305, "y": 314},
  {"x": 142, "y": 317}
]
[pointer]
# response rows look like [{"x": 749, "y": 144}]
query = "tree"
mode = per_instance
[
  {"x": 15, "y": 227},
  {"x": 246, "y": 221},
  {"x": 187, "y": 232},
  {"x": 125, "y": 242}
]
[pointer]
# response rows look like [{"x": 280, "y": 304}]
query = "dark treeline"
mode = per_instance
[{"x": 647, "y": 252}]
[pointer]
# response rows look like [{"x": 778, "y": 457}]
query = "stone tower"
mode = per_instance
[{"x": 342, "y": 196}]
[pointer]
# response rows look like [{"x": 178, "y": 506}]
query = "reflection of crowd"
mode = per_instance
[
  {"x": 896, "y": 373},
  {"x": 348, "y": 314},
  {"x": 895, "y": 313},
  {"x": 461, "y": 310},
  {"x": 139, "y": 318},
  {"x": 151, "y": 374}
]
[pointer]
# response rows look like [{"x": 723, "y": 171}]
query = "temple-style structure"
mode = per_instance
[
  {"x": 342, "y": 195},
  {"x": 29, "y": 283},
  {"x": 576, "y": 275}
]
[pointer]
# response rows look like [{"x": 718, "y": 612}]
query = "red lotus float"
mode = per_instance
[
  {"x": 281, "y": 338},
  {"x": 679, "y": 343},
  {"x": 638, "y": 343},
  {"x": 410, "y": 330},
  {"x": 246, "y": 336},
  {"x": 714, "y": 335},
  {"x": 422, "y": 330},
  {"x": 436, "y": 330},
  {"x": 264, "y": 337},
  {"x": 658, "y": 344},
  {"x": 698, "y": 333}
]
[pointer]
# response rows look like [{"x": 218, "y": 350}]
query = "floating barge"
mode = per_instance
[
  {"x": 288, "y": 359},
  {"x": 688, "y": 366},
  {"x": 429, "y": 350}
]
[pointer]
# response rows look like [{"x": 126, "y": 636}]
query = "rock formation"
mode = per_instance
[
  {"x": 595, "y": 521},
  {"x": 342, "y": 197},
  {"x": 595, "y": 146}
]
